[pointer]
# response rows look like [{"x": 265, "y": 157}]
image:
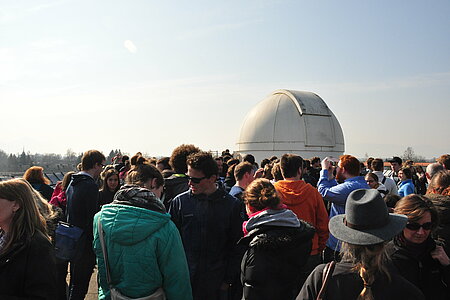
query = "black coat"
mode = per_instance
[
  {"x": 345, "y": 284},
  {"x": 45, "y": 190},
  {"x": 27, "y": 271},
  {"x": 442, "y": 232},
  {"x": 210, "y": 227},
  {"x": 421, "y": 269},
  {"x": 174, "y": 185},
  {"x": 271, "y": 267},
  {"x": 82, "y": 203}
]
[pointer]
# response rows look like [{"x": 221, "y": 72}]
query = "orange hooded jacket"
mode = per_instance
[{"x": 306, "y": 202}]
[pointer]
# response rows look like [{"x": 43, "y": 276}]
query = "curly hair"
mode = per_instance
[
  {"x": 261, "y": 194},
  {"x": 179, "y": 155},
  {"x": 203, "y": 161}
]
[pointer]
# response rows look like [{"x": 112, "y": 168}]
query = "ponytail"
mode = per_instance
[
  {"x": 369, "y": 262},
  {"x": 368, "y": 279}
]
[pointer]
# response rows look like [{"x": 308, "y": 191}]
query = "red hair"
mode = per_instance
[
  {"x": 350, "y": 164},
  {"x": 35, "y": 174}
]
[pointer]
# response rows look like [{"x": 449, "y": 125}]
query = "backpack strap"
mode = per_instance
[
  {"x": 384, "y": 180},
  {"x": 326, "y": 275}
]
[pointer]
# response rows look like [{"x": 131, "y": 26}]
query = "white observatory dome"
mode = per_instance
[{"x": 291, "y": 122}]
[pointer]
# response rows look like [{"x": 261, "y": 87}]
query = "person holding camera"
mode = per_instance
[{"x": 337, "y": 181}]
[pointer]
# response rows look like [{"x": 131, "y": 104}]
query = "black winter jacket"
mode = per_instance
[
  {"x": 174, "y": 185},
  {"x": 45, "y": 190},
  {"x": 442, "y": 232},
  {"x": 210, "y": 227},
  {"x": 421, "y": 269},
  {"x": 27, "y": 271},
  {"x": 271, "y": 266},
  {"x": 345, "y": 284},
  {"x": 82, "y": 203}
]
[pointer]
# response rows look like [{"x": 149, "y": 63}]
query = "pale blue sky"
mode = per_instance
[{"x": 150, "y": 75}]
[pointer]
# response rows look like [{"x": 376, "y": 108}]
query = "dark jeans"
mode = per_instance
[
  {"x": 81, "y": 269},
  {"x": 329, "y": 255},
  {"x": 61, "y": 283}
]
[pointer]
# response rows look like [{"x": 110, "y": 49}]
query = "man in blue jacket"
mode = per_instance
[
  {"x": 210, "y": 226},
  {"x": 347, "y": 173}
]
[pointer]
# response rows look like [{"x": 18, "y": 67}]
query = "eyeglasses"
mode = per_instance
[
  {"x": 417, "y": 226},
  {"x": 196, "y": 180}
]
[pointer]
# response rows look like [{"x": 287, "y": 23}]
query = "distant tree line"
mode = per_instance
[{"x": 51, "y": 162}]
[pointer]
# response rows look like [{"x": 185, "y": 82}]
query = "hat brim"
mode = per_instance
[{"x": 370, "y": 236}]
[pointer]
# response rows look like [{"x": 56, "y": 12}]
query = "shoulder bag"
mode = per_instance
[
  {"x": 67, "y": 238},
  {"x": 326, "y": 275},
  {"x": 115, "y": 293}
]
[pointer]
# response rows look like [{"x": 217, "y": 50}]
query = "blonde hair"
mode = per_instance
[
  {"x": 27, "y": 219},
  {"x": 369, "y": 262}
]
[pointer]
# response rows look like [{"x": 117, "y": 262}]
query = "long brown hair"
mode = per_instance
[
  {"x": 107, "y": 174},
  {"x": 440, "y": 183},
  {"x": 35, "y": 174},
  {"x": 369, "y": 262},
  {"x": 27, "y": 219},
  {"x": 415, "y": 207}
]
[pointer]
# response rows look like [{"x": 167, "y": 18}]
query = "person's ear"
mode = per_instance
[
  {"x": 154, "y": 185},
  {"x": 15, "y": 207}
]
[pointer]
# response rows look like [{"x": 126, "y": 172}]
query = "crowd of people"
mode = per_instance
[{"x": 194, "y": 226}]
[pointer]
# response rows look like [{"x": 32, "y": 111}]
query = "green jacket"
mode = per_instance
[{"x": 144, "y": 251}]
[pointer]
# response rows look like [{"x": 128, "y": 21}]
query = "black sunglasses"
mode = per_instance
[
  {"x": 416, "y": 226},
  {"x": 196, "y": 180}
]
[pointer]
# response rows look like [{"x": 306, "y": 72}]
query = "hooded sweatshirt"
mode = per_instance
[
  {"x": 306, "y": 202},
  {"x": 144, "y": 247}
]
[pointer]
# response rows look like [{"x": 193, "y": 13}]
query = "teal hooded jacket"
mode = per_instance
[{"x": 145, "y": 252}]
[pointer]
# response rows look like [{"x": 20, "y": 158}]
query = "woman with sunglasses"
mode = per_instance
[{"x": 415, "y": 254}]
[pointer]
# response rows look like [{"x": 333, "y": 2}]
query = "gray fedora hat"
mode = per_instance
[{"x": 366, "y": 220}]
